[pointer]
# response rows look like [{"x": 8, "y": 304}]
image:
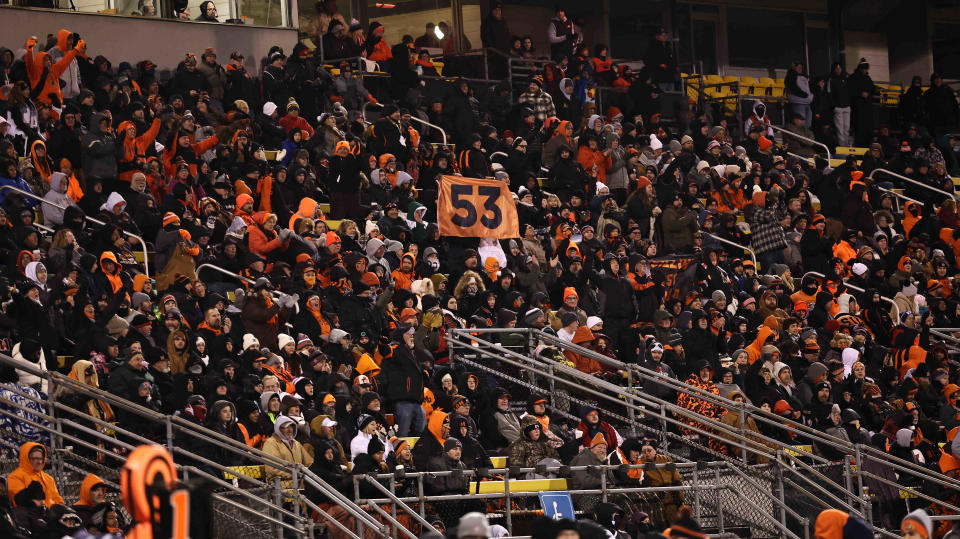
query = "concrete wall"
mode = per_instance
[
  {"x": 163, "y": 41},
  {"x": 873, "y": 47}
]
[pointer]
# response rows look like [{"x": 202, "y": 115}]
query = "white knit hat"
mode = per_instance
[{"x": 249, "y": 340}]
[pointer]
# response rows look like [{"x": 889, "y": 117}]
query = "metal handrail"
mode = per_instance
[
  {"x": 437, "y": 127},
  {"x": 675, "y": 384},
  {"x": 55, "y": 427},
  {"x": 875, "y": 186},
  {"x": 855, "y": 288},
  {"x": 363, "y": 117},
  {"x": 752, "y": 443},
  {"x": 803, "y": 138},
  {"x": 197, "y": 431},
  {"x": 816, "y": 436},
  {"x": 146, "y": 266},
  {"x": 915, "y": 182},
  {"x": 224, "y": 271},
  {"x": 753, "y": 255}
]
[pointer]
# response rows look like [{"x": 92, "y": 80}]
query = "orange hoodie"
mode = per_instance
[
  {"x": 588, "y": 158},
  {"x": 583, "y": 337},
  {"x": 754, "y": 350},
  {"x": 307, "y": 209},
  {"x": 89, "y": 482},
  {"x": 21, "y": 478},
  {"x": 41, "y": 164},
  {"x": 116, "y": 283},
  {"x": 908, "y": 219},
  {"x": 49, "y": 93},
  {"x": 404, "y": 280},
  {"x": 844, "y": 251},
  {"x": 135, "y": 148},
  {"x": 435, "y": 425}
]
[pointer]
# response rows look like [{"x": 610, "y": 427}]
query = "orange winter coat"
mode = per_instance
[
  {"x": 588, "y": 158},
  {"x": 49, "y": 86},
  {"x": 21, "y": 478},
  {"x": 135, "y": 148},
  {"x": 583, "y": 337}
]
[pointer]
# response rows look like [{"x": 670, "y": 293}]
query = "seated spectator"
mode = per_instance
[
  {"x": 284, "y": 446},
  {"x": 532, "y": 447},
  {"x": 593, "y": 454},
  {"x": 93, "y": 492},
  {"x": 33, "y": 459}
]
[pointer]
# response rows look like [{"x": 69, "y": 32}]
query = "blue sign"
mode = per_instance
[{"x": 557, "y": 505}]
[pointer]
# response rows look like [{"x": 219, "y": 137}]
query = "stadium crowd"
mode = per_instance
[{"x": 325, "y": 345}]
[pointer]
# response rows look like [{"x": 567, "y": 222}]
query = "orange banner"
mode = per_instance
[{"x": 468, "y": 207}]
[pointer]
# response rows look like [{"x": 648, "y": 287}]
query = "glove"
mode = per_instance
[
  {"x": 238, "y": 296},
  {"x": 284, "y": 300},
  {"x": 284, "y": 234}
]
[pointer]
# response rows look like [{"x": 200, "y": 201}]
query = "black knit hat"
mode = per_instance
[
  {"x": 374, "y": 446},
  {"x": 451, "y": 443}
]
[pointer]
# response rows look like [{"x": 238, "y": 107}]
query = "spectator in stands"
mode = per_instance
[
  {"x": 537, "y": 99},
  {"x": 862, "y": 91},
  {"x": 33, "y": 459},
  {"x": 284, "y": 446},
  {"x": 942, "y": 112},
  {"x": 797, "y": 85},
  {"x": 208, "y": 12},
  {"x": 532, "y": 447},
  {"x": 593, "y": 454},
  {"x": 659, "y": 61},
  {"x": 93, "y": 492},
  {"x": 592, "y": 243},
  {"x": 494, "y": 32},
  {"x": 562, "y": 34}
]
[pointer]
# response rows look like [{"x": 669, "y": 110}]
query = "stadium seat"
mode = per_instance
[
  {"x": 850, "y": 150},
  {"x": 748, "y": 85},
  {"x": 255, "y": 472},
  {"x": 712, "y": 79},
  {"x": 519, "y": 485}
]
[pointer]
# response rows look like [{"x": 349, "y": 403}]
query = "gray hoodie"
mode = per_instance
[{"x": 52, "y": 215}]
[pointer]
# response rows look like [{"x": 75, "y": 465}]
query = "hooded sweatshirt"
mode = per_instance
[
  {"x": 85, "y": 506},
  {"x": 20, "y": 478},
  {"x": 57, "y": 195}
]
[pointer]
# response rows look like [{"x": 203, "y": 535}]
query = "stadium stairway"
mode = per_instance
[
  {"x": 761, "y": 466},
  {"x": 245, "y": 503}
]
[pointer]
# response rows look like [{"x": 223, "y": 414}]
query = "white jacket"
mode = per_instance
[{"x": 25, "y": 377}]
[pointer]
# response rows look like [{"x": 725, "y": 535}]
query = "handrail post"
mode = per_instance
[
  {"x": 393, "y": 506},
  {"x": 278, "y": 502},
  {"x": 56, "y": 441},
  {"x": 169, "y": 429},
  {"x": 858, "y": 459},
  {"x": 603, "y": 485},
  {"x": 743, "y": 434},
  {"x": 507, "y": 499},
  {"x": 696, "y": 493},
  {"x": 719, "y": 500},
  {"x": 295, "y": 485}
]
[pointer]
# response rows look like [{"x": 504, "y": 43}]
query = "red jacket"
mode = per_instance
[{"x": 289, "y": 122}]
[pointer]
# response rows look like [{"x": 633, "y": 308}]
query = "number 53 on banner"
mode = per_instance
[{"x": 469, "y": 207}]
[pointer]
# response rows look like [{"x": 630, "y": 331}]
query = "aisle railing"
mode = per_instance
[
  {"x": 469, "y": 343},
  {"x": 143, "y": 244},
  {"x": 175, "y": 432}
]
